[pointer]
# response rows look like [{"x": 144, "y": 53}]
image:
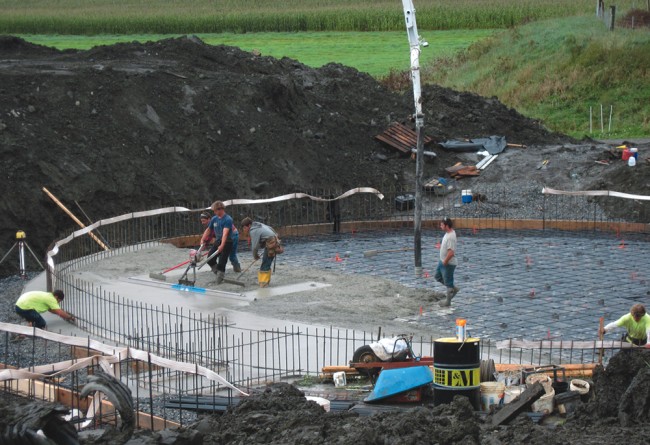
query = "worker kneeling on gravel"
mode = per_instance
[
  {"x": 637, "y": 323},
  {"x": 262, "y": 237},
  {"x": 31, "y": 305}
]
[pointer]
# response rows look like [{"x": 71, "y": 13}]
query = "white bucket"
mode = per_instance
[
  {"x": 321, "y": 401},
  {"x": 512, "y": 392},
  {"x": 541, "y": 378},
  {"x": 339, "y": 379},
  {"x": 544, "y": 404},
  {"x": 579, "y": 386},
  {"x": 491, "y": 394}
]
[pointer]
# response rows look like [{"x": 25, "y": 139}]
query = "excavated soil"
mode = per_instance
[
  {"x": 616, "y": 411},
  {"x": 135, "y": 126}
]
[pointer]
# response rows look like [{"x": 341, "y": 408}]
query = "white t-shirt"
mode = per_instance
[{"x": 448, "y": 243}]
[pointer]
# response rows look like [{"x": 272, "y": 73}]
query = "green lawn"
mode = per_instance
[{"x": 372, "y": 52}]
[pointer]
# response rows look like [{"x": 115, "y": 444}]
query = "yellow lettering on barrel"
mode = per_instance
[{"x": 457, "y": 378}]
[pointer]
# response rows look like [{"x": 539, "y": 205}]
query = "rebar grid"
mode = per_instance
[{"x": 248, "y": 357}]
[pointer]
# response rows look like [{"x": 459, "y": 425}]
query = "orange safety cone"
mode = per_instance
[{"x": 337, "y": 258}]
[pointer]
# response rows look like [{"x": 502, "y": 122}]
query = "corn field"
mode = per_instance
[{"x": 210, "y": 16}]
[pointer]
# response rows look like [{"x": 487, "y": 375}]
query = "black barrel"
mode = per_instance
[{"x": 457, "y": 370}]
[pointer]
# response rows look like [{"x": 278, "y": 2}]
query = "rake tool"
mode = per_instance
[{"x": 246, "y": 270}]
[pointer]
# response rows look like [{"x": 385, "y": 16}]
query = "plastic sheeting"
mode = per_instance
[
  {"x": 389, "y": 348},
  {"x": 493, "y": 145}
]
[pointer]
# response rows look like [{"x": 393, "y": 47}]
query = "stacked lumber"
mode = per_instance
[
  {"x": 401, "y": 137},
  {"x": 328, "y": 372}
]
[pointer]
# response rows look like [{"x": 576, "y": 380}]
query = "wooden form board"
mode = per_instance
[
  {"x": 69, "y": 398},
  {"x": 401, "y": 137}
]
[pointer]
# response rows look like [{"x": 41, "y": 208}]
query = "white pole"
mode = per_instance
[
  {"x": 414, "y": 43},
  {"x": 611, "y": 108}
]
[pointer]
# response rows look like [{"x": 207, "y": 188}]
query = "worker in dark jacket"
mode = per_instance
[{"x": 262, "y": 237}]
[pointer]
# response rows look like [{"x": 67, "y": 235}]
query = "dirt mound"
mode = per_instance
[
  {"x": 281, "y": 415},
  {"x": 136, "y": 125},
  {"x": 17, "y": 47}
]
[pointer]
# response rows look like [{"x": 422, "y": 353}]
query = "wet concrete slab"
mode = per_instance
[{"x": 514, "y": 284}]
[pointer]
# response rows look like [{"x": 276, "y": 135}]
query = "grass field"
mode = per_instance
[
  {"x": 553, "y": 70},
  {"x": 373, "y": 52},
  {"x": 242, "y": 16},
  {"x": 557, "y": 70}
]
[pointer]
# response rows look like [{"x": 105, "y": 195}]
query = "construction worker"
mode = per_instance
[
  {"x": 220, "y": 226},
  {"x": 447, "y": 263},
  {"x": 31, "y": 305},
  {"x": 262, "y": 237},
  {"x": 637, "y": 324},
  {"x": 234, "y": 260}
]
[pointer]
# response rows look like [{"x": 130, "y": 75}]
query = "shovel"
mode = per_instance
[{"x": 371, "y": 253}]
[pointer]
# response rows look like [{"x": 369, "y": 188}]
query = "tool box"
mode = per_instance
[{"x": 405, "y": 202}]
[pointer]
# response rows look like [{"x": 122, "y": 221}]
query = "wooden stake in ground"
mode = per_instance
[
  {"x": 74, "y": 218},
  {"x": 601, "y": 335}
]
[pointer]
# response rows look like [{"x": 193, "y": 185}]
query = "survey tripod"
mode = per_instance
[{"x": 21, "y": 243}]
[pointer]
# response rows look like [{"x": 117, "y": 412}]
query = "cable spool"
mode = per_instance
[{"x": 487, "y": 370}]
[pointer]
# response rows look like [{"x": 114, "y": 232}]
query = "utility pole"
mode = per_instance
[{"x": 415, "y": 42}]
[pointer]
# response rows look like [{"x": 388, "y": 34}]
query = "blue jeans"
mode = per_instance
[
  {"x": 445, "y": 274},
  {"x": 266, "y": 261},
  {"x": 233, "y": 253},
  {"x": 32, "y": 316}
]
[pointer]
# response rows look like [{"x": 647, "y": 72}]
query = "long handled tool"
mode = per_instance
[
  {"x": 161, "y": 276},
  {"x": 225, "y": 280},
  {"x": 246, "y": 270},
  {"x": 371, "y": 253}
]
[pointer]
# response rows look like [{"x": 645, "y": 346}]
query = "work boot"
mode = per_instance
[
  {"x": 456, "y": 289},
  {"x": 213, "y": 268},
  {"x": 236, "y": 268},
  {"x": 450, "y": 295},
  {"x": 220, "y": 276}
]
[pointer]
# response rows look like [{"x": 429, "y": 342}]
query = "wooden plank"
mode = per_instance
[
  {"x": 401, "y": 137},
  {"x": 564, "y": 344},
  {"x": 512, "y": 409}
]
